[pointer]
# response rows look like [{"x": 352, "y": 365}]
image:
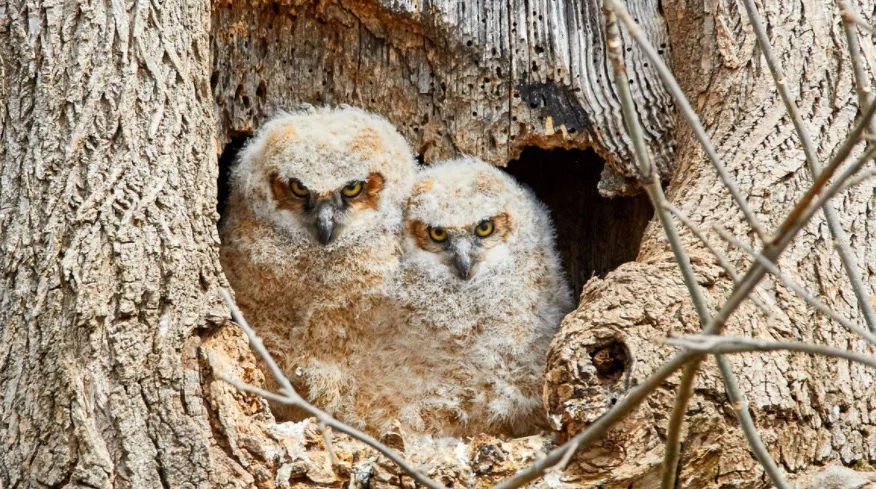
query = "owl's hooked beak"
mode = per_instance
[
  {"x": 461, "y": 252},
  {"x": 325, "y": 221}
]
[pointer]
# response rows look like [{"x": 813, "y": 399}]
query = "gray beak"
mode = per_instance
[
  {"x": 325, "y": 221},
  {"x": 462, "y": 259}
]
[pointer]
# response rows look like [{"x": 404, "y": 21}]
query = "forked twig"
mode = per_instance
[
  {"x": 658, "y": 201},
  {"x": 689, "y": 114},
  {"x": 740, "y": 406},
  {"x": 723, "y": 261},
  {"x": 850, "y": 15},
  {"x": 291, "y": 397},
  {"x": 737, "y": 400},
  {"x": 799, "y": 215},
  {"x": 598, "y": 428}
]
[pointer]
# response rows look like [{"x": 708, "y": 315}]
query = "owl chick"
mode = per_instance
[
  {"x": 482, "y": 283},
  {"x": 311, "y": 242}
]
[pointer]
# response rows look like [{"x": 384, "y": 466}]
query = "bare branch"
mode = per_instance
[
  {"x": 847, "y": 255},
  {"x": 857, "y": 180},
  {"x": 749, "y": 429},
  {"x": 651, "y": 184},
  {"x": 737, "y": 400},
  {"x": 797, "y": 289},
  {"x": 842, "y": 183},
  {"x": 329, "y": 446},
  {"x": 729, "y": 344},
  {"x": 672, "y": 453},
  {"x": 599, "y": 427},
  {"x": 723, "y": 261},
  {"x": 788, "y": 230},
  {"x": 848, "y": 12},
  {"x": 658, "y": 200},
  {"x": 293, "y": 399},
  {"x": 852, "y": 16},
  {"x": 689, "y": 114},
  {"x": 801, "y": 213},
  {"x": 564, "y": 462}
]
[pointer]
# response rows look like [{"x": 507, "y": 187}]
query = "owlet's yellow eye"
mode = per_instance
[
  {"x": 352, "y": 189},
  {"x": 485, "y": 228},
  {"x": 297, "y": 189},
  {"x": 437, "y": 234}
]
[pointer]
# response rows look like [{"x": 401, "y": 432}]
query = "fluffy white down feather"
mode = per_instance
[{"x": 471, "y": 354}]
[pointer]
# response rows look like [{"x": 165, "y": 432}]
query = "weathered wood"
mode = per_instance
[{"x": 489, "y": 77}]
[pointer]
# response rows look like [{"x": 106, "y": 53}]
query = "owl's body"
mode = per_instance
[
  {"x": 485, "y": 293},
  {"x": 311, "y": 245}
]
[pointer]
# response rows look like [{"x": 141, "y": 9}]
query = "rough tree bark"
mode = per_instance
[
  {"x": 108, "y": 244},
  {"x": 112, "y": 334}
]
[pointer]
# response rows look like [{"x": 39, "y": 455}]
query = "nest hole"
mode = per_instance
[
  {"x": 595, "y": 234},
  {"x": 226, "y": 163}
]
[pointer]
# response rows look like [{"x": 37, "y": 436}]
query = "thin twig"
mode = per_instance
[
  {"x": 598, "y": 428},
  {"x": 291, "y": 397},
  {"x": 845, "y": 179},
  {"x": 658, "y": 200},
  {"x": 846, "y": 254},
  {"x": 797, "y": 289},
  {"x": 749, "y": 429},
  {"x": 739, "y": 403},
  {"x": 797, "y": 218},
  {"x": 857, "y": 180},
  {"x": 329, "y": 446},
  {"x": 853, "y": 16},
  {"x": 848, "y": 12},
  {"x": 723, "y": 261},
  {"x": 564, "y": 462},
  {"x": 648, "y": 180},
  {"x": 798, "y": 215},
  {"x": 689, "y": 114},
  {"x": 729, "y": 344},
  {"x": 672, "y": 453}
]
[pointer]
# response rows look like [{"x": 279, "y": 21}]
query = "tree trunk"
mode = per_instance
[
  {"x": 109, "y": 244},
  {"x": 113, "y": 336}
]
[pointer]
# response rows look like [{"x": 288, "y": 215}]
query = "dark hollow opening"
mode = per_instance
[
  {"x": 610, "y": 361},
  {"x": 226, "y": 163},
  {"x": 594, "y": 234}
]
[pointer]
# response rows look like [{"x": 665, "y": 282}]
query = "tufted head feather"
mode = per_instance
[
  {"x": 481, "y": 215},
  {"x": 293, "y": 173}
]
